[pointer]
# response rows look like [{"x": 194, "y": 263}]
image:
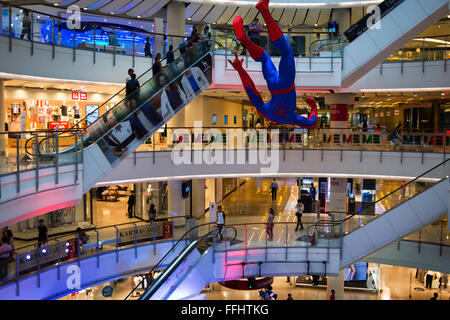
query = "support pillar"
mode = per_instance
[
  {"x": 198, "y": 198},
  {"x": 336, "y": 284},
  {"x": 176, "y": 203},
  {"x": 3, "y": 137},
  {"x": 339, "y": 109},
  {"x": 158, "y": 41},
  {"x": 338, "y": 198},
  {"x": 342, "y": 17},
  {"x": 176, "y": 22}
]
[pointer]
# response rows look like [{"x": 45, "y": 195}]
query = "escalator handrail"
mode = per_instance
[
  {"x": 117, "y": 93},
  {"x": 168, "y": 253},
  {"x": 177, "y": 261},
  {"x": 155, "y": 94},
  {"x": 338, "y": 222}
]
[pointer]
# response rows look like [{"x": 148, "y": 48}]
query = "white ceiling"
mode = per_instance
[{"x": 206, "y": 11}]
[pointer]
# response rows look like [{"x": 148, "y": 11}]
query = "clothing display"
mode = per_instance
[{"x": 63, "y": 111}]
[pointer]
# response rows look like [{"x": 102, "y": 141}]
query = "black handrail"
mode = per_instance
[
  {"x": 168, "y": 253},
  {"x": 373, "y": 204}
]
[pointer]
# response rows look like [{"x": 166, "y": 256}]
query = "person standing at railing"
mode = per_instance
[
  {"x": 274, "y": 187},
  {"x": 5, "y": 253},
  {"x": 169, "y": 55},
  {"x": 26, "y": 25},
  {"x": 131, "y": 203},
  {"x": 290, "y": 39},
  {"x": 9, "y": 235},
  {"x": 254, "y": 32},
  {"x": 206, "y": 39},
  {"x": 43, "y": 233},
  {"x": 147, "y": 49},
  {"x": 394, "y": 138},
  {"x": 270, "y": 224}
]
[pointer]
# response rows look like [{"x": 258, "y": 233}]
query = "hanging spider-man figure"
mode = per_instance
[{"x": 281, "y": 108}]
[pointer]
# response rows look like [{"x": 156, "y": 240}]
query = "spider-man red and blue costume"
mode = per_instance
[{"x": 281, "y": 108}]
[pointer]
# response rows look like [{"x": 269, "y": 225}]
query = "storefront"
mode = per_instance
[{"x": 30, "y": 109}]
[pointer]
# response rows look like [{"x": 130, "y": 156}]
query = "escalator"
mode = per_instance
[
  {"x": 377, "y": 35},
  {"x": 123, "y": 128},
  {"x": 188, "y": 272},
  {"x": 413, "y": 206}
]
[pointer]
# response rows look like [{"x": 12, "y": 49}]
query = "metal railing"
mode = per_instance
[
  {"x": 33, "y": 259},
  {"x": 19, "y": 147},
  {"x": 289, "y": 138},
  {"x": 342, "y": 223}
]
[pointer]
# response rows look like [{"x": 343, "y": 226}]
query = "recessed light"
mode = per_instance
[
  {"x": 138, "y": 17},
  {"x": 112, "y": 12},
  {"x": 55, "y": 4},
  {"x": 85, "y": 8}
]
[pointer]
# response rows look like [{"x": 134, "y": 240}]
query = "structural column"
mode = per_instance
[
  {"x": 3, "y": 137},
  {"x": 342, "y": 17},
  {"x": 338, "y": 198},
  {"x": 198, "y": 198},
  {"x": 158, "y": 41},
  {"x": 176, "y": 203},
  {"x": 176, "y": 22},
  {"x": 339, "y": 104},
  {"x": 336, "y": 284}
]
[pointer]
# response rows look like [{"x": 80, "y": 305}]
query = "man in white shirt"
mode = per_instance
[
  {"x": 220, "y": 221},
  {"x": 274, "y": 187}
]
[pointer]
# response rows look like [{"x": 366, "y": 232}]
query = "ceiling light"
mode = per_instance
[
  {"x": 85, "y": 8},
  {"x": 112, "y": 12},
  {"x": 55, "y": 4},
  {"x": 138, "y": 17}
]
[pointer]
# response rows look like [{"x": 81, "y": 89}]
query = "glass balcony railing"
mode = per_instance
[{"x": 341, "y": 223}]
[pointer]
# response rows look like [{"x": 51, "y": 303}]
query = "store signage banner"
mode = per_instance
[
  {"x": 60, "y": 124},
  {"x": 75, "y": 95},
  {"x": 340, "y": 137},
  {"x": 149, "y": 108},
  {"x": 83, "y": 96}
]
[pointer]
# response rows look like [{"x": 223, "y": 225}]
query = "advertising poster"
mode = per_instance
[{"x": 151, "y": 107}]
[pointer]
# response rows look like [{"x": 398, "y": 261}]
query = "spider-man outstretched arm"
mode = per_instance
[{"x": 249, "y": 87}]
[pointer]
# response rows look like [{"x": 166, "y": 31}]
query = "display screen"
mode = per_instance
[
  {"x": 356, "y": 272},
  {"x": 91, "y": 116}
]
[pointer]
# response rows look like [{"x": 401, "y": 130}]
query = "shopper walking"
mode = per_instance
[
  {"x": 26, "y": 25},
  {"x": 435, "y": 296},
  {"x": 312, "y": 193},
  {"x": 131, "y": 203},
  {"x": 152, "y": 212},
  {"x": 42, "y": 233},
  {"x": 289, "y": 296},
  {"x": 274, "y": 186},
  {"x": 298, "y": 213},
  {"x": 147, "y": 49},
  {"x": 128, "y": 78},
  {"x": 270, "y": 224},
  {"x": 220, "y": 221}
]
